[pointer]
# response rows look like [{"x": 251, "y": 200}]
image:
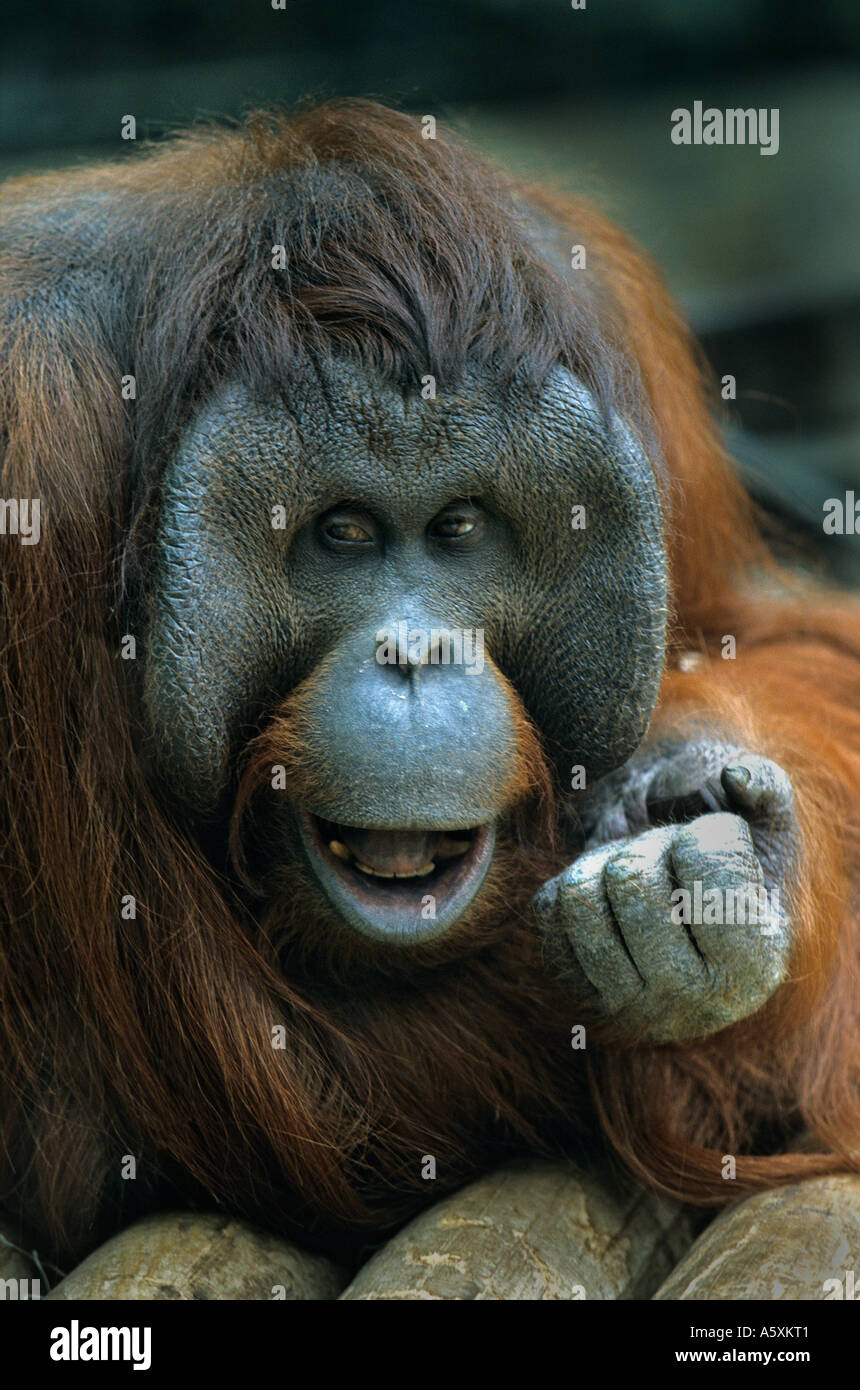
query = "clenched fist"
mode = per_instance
[{"x": 675, "y": 931}]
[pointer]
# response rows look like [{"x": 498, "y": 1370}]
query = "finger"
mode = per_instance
[
  {"x": 640, "y": 886},
  {"x": 555, "y": 918},
  {"x": 585, "y": 916},
  {"x": 760, "y": 790},
  {"x": 558, "y": 956},
  {"x": 731, "y": 912}
]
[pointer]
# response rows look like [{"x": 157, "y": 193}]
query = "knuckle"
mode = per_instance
[{"x": 719, "y": 834}]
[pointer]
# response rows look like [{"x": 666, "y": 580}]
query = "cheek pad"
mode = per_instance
[
  {"x": 588, "y": 646},
  {"x": 220, "y": 620}
]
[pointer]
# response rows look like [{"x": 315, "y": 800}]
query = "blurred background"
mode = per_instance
[{"x": 761, "y": 250}]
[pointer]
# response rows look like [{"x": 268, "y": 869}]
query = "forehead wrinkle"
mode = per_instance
[
  {"x": 378, "y": 431},
  {"x": 385, "y": 426},
  {"x": 355, "y": 432}
]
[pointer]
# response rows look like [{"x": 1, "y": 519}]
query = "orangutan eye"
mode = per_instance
[
  {"x": 457, "y": 524},
  {"x": 346, "y": 529}
]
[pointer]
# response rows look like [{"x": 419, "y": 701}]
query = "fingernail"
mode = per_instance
[{"x": 741, "y": 775}]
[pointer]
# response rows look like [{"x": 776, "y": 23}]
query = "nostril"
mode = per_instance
[
  {"x": 413, "y": 648},
  {"x": 405, "y": 648},
  {"x": 393, "y": 649}
]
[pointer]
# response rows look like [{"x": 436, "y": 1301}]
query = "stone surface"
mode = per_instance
[
  {"x": 189, "y": 1256},
  {"x": 800, "y": 1242},
  {"x": 531, "y": 1231},
  {"x": 14, "y": 1263}
]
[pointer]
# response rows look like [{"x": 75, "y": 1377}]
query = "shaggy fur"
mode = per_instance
[{"x": 152, "y": 1036}]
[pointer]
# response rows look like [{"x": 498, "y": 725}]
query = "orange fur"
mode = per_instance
[{"x": 153, "y": 1036}]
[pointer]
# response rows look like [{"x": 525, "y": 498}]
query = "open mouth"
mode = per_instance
[{"x": 398, "y": 886}]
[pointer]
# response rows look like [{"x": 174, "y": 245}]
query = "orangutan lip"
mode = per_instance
[{"x": 398, "y": 886}]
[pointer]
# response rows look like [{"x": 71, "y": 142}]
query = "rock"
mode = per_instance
[
  {"x": 800, "y": 1242},
  {"x": 531, "y": 1231},
  {"x": 16, "y": 1265},
  {"x": 190, "y": 1256}
]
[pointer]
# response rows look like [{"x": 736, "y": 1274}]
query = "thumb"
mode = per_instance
[{"x": 760, "y": 790}]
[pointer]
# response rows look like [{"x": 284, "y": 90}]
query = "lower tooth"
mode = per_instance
[
  {"x": 340, "y": 850},
  {"x": 419, "y": 873},
  {"x": 377, "y": 873}
]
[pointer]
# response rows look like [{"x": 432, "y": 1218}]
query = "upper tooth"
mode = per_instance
[
  {"x": 449, "y": 848},
  {"x": 340, "y": 850}
]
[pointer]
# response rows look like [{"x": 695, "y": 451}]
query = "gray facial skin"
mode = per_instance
[{"x": 242, "y": 612}]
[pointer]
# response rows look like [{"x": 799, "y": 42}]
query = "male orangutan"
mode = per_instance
[{"x": 365, "y": 722}]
